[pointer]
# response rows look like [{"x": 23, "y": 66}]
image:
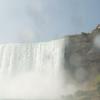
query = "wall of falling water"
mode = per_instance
[
  {"x": 41, "y": 57},
  {"x": 32, "y": 70}
]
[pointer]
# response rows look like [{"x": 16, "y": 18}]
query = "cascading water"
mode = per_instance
[{"x": 30, "y": 70}]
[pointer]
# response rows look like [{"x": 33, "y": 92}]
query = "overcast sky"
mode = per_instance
[{"x": 42, "y": 20}]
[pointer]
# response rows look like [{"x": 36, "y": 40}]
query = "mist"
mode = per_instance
[
  {"x": 34, "y": 71},
  {"x": 34, "y": 86}
]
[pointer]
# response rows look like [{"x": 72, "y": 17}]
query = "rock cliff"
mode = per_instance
[{"x": 83, "y": 56}]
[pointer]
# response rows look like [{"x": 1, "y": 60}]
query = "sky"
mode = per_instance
[{"x": 43, "y": 20}]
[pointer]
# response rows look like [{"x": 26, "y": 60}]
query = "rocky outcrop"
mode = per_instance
[
  {"x": 83, "y": 59},
  {"x": 84, "y": 55}
]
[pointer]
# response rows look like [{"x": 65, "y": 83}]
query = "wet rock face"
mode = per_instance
[{"x": 84, "y": 56}]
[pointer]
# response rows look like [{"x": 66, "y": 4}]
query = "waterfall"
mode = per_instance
[
  {"x": 32, "y": 70},
  {"x": 40, "y": 57}
]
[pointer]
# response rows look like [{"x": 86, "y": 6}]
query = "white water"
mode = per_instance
[{"x": 32, "y": 70}]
